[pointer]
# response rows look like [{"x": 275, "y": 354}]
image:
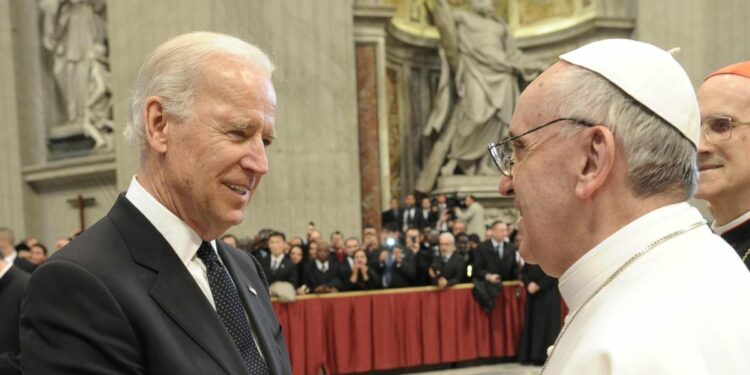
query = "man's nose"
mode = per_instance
[
  {"x": 506, "y": 186},
  {"x": 256, "y": 158}
]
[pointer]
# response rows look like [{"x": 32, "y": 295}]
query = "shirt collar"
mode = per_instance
[
  {"x": 12, "y": 257},
  {"x": 277, "y": 258},
  {"x": 5, "y": 269},
  {"x": 721, "y": 229},
  {"x": 594, "y": 267},
  {"x": 181, "y": 237}
]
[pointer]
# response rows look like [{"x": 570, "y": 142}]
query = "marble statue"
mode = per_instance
[
  {"x": 71, "y": 31},
  {"x": 477, "y": 92},
  {"x": 97, "y": 123}
]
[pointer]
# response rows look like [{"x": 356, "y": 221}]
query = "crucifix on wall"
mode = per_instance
[{"x": 81, "y": 203}]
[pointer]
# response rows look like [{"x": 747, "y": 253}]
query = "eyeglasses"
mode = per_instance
[
  {"x": 719, "y": 128},
  {"x": 502, "y": 152}
]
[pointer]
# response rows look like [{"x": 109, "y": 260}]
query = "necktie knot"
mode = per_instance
[{"x": 207, "y": 254}]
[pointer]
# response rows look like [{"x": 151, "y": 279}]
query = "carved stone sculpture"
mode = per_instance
[
  {"x": 477, "y": 91},
  {"x": 74, "y": 32}
]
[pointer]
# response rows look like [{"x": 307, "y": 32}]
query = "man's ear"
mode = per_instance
[
  {"x": 155, "y": 127},
  {"x": 599, "y": 148}
]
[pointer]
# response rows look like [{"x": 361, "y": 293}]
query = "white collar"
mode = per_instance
[
  {"x": 277, "y": 259},
  {"x": 181, "y": 237},
  {"x": 594, "y": 267},
  {"x": 5, "y": 269},
  {"x": 447, "y": 257},
  {"x": 321, "y": 264},
  {"x": 12, "y": 257},
  {"x": 721, "y": 229}
]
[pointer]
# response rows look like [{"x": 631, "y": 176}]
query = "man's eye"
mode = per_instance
[
  {"x": 720, "y": 125},
  {"x": 237, "y": 134}
]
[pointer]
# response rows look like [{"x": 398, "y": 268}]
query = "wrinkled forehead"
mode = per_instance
[{"x": 531, "y": 109}]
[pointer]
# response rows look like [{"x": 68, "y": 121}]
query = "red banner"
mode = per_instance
[{"x": 398, "y": 328}]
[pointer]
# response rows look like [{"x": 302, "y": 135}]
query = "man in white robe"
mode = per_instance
[{"x": 601, "y": 162}]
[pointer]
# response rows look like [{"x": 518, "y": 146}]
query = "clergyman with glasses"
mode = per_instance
[
  {"x": 724, "y": 153},
  {"x": 600, "y": 163}
]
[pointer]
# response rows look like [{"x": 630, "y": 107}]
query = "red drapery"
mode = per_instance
[{"x": 399, "y": 328}]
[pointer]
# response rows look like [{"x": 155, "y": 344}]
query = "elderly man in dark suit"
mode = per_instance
[
  {"x": 448, "y": 269},
  {"x": 12, "y": 284},
  {"x": 148, "y": 289}
]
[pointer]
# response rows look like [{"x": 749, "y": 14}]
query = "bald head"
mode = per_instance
[{"x": 724, "y": 149}]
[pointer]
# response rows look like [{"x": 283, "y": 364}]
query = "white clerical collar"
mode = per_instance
[
  {"x": 594, "y": 267},
  {"x": 180, "y": 236},
  {"x": 721, "y": 229}
]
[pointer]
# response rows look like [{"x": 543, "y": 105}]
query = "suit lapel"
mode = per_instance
[
  {"x": 252, "y": 303},
  {"x": 174, "y": 289}
]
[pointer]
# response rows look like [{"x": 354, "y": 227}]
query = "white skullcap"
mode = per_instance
[{"x": 649, "y": 75}]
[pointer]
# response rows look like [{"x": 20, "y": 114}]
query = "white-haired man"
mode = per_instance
[
  {"x": 724, "y": 153},
  {"x": 148, "y": 289},
  {"x": 601, "y": 161}
]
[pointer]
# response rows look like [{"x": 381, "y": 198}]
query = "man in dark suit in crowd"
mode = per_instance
[
  {"x": 148, "y": 289},
  {"x": 448, "y": 269},
  {"x": 426, "y": 215},
  {"x": 278, "y": 266},
  {"x": 12, "y": 284},
  {"x": 409, "y": 215},
  {"x": 421, "y": 255},
  {"x": 10, "y": 255},
  {"x": 495, "y": 259},
  {"x": 393, "y": 214},
  {"x": 324, "y": 275}
]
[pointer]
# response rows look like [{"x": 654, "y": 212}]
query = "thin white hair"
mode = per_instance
[
  {"x": 658, "y": 157},
  {"x": 173, "y": 70},
  {"x": 447, "y": 235}
]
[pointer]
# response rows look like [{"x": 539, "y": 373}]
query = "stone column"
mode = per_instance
[
  {"x": 11, "y": 183},
  {"x": 370, "y": 22}
]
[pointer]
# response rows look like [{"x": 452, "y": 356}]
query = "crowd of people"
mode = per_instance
[{"x": 409, "y": 250}]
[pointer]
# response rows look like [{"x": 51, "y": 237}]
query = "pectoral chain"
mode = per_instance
[{"x": 614, "y": 275}]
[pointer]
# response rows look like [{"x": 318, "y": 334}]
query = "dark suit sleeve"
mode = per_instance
[
  {"x": 67, "y": 310},
  {"x": 292, "y": 270},
  {"x": 459, "y": 272},
  {"x": 515, "y": 269},
  {"x": 479, "y": 268}
]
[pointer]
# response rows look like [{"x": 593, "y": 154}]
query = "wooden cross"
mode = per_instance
[{"x": 81, "y": 202}]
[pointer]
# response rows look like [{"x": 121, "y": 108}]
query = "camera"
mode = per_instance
[{"x": 390, "y": 242}]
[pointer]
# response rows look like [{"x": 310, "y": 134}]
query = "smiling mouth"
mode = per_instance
[
  {"x": 702, "y": 168},
  {"x": 239, "y": 189}
]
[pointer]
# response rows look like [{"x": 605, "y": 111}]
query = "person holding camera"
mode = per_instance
[
  {"x": 448, "y": 269},
  {"x": 361, "y": 276}
]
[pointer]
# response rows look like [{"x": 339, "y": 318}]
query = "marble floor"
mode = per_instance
[{"x": 499, "y": 369}]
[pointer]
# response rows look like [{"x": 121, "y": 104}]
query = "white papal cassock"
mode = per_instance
[{"x": 682, "y": 308}]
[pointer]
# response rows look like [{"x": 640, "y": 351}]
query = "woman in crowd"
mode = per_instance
[{"x": 361, "y": 277}]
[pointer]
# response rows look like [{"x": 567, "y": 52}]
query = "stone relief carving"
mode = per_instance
[
  {"x": 74, "y": 33},
  {"x": 477, "y": 93}
]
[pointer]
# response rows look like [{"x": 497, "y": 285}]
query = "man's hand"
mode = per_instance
[
  {"x": 493, "y": 278},
  {"x": 431, "y": 272},
  {"x": 398, "y": 255},
  {"x": 533, "y": 288},
  {"x": 383, "y": 256},
  {"x": 442, "y": 283}
]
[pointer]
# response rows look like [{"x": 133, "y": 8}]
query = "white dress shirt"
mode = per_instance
[{"x": 681, "y": 308}]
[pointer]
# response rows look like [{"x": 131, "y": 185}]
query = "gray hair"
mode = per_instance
[
  {"x": 447, "y": 235},
  {"x": 659, "y": 158},
  {"x": 172, "y": 72}
]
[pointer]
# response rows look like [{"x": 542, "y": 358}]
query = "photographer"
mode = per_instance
[
  {"x": 361, "y": 277},
  {"x": 422, "y": 256}
]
